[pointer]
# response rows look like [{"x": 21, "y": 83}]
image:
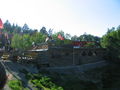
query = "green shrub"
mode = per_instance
[
  {"x": 15, "y": 85},
  {"x": 41, "y": 81}
]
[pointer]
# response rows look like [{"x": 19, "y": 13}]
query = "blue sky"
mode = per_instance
[{"x": 72, "y": 16}]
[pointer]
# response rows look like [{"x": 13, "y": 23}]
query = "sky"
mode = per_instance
[{"x": 72, "y": 16}]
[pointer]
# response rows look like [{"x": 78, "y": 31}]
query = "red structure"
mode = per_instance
[
  {"x": 60, "y": 37},
  {"x": 81, "y": 43},
  {"x": 1, "y": 24}
]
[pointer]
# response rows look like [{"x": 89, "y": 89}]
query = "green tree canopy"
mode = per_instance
[
  {"x": 25, "y": 41},
  {"x": 111, "y": 41},
  {"x": 43, "y": 31},
  {"x": 21, "y": 41}
]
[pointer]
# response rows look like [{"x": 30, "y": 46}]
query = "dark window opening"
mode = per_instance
[
  {"x": 95, "y": 53},
  {"x": 83, "y": 54},
  {"x": 90, "y": 53}
]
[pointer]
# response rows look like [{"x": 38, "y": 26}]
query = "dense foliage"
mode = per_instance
[
  {"x": 86, "y": 37},
  {"x": 111, "y": 41},
  {"x": 24, "y": 37},
  {"x": 25, "y": 41},
  {"x": 15, "y": 85},
  {"x": 41, "y": 81}
]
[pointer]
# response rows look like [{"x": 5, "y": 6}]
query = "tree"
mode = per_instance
[
  {"x": 7, "y": 27},
  {"x": 38, "y": 38},
  {"x": 25, "y": 29},
  {"x": 15, "y": 43},
  {"x": 50, "y": 32},
  {"x": 16, "y": 28},
  {"x": 111, "y": 42},
  {"x": 74, "y": 38},
  {"x": 110, "y": 30},
  {"x": 67, "y": 36},
  {"x": 21, "y": 42},
  {"x": 88, "y": 37},
  {"x": 43, "y": 31}
]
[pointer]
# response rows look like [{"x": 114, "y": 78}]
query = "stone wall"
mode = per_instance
[{"x": 59, "y": 56}]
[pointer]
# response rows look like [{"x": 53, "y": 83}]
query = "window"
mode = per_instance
[
  {"x": 90, "y": 53},
  {"x": 83, "y": 53}
]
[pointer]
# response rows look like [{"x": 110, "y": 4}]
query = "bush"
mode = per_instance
[
  {"x": 41, "y": 81},
  {"x": 15, "y": 85}
]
